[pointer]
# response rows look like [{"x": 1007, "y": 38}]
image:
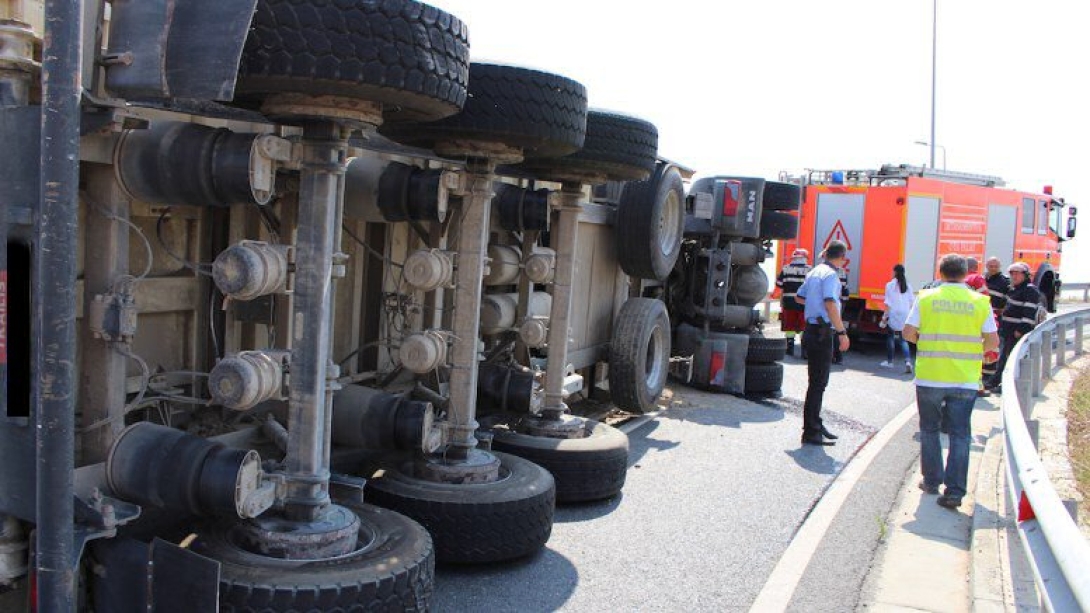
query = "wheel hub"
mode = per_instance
[
  {"x": 478, "y": 467},
  {"x": 574, "y": 175},
  {"x": 335, "y": 532},
  {"x": 564, "y": 426},
  {"x": 495, "y": 152},
  {"x": 361, "y": 114}
]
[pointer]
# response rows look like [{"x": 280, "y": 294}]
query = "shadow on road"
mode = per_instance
[
  {"x": 703, "y": 409},
  {"x": 583, "y": 511},
  {"x": 936, "y": 523},
  {"x": 815, "y": 459},
  {"x": 709, "y": 409},
  {"x": 508, "y": 582},
  {"x": 640, "y": 442},
  {"x": 859, "y": 364}
]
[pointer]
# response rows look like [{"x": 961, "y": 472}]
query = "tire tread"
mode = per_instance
[
  {"x": 403, "y": 53},
  {"x": 626, "y": 372},
  {"x": 542, "y": 113},
  {"x": 468, "y": 532},
  {"x": 621, "y": 147},
  {"x": 591, "y": 468}
]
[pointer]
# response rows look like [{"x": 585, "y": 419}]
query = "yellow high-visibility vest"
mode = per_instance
[{"x": 950, "y": 348}]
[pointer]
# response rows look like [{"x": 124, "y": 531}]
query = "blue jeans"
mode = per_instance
[
  {"x": 957, "y": 405},
  {"x": 892, "y": 339}
]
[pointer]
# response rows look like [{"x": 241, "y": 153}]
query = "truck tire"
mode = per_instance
[
  {"x": 397, "y": 573},
  {"x": 543, "y": 114},
  {"x": 764, "y": 349},
  {"x": 639, "y": 354},
  {"x": 764, "y": 378},
  {"x": 781, "y": 196},
  {"x": 650, "y": 225},
  {"x": 621, "y": 147},
  {"x": 409, "y": 56},
  {"x": 475, "y": 522},
  {"x": 778, "y": 225},
  {"x": 585, "y": 469}
]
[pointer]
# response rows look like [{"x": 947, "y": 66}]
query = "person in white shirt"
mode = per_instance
[{"x": 899, "y": 300}]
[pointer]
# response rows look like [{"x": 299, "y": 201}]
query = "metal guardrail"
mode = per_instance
[
  {"x": 1074, "y": 287},
  {"x": 1057, "y": 550}
]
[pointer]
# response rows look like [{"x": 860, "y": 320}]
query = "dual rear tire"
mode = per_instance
[
  {"x": 589, "y": 468},
  {"x": 471, "y": 523}
]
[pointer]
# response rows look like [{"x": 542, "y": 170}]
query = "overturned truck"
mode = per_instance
[
  {"x": 720, "y": 343},
  {"x": 293, "y": 302}
]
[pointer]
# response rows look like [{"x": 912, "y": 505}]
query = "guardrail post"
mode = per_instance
[
  {"x": 1024, "y": 384},
  {"x": 1061, "y": 345},
  {"x": 1079, "y": 323},
  {"x": 1047, "y": 337},
  {"x": 1035, "y": 367}
]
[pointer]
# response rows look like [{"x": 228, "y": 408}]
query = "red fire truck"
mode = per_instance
[{"x": 912, "y": 216}]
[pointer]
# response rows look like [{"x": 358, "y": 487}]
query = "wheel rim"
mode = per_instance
[
  {"x": 668, "y": 222},
  {"x": 653, "y": 367},
  {"x": 367, "y": 539}
]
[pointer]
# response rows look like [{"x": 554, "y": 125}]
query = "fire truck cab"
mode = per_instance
[{"x": 913, "y": 215}]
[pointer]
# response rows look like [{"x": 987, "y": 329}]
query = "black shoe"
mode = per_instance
[
  {"x": 948, "y": 501},
  {"x": 815, "y": 439},
  {"x": 838, "y": 360},
  {"x": 928, "y": 489},
  {"x": 828, "y": 435}
]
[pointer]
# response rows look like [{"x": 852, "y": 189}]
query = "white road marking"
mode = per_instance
[{"x": 780, "y": 586}]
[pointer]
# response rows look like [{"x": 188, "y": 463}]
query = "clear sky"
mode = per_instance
[{"x": 757, "y": 87}]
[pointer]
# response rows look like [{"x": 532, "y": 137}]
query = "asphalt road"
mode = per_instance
[{"x": 717, "y": 487}]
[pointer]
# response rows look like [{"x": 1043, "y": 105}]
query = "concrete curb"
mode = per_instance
[
  {"x": 929, "y": 545},
  {"x": 988, "y": 575}
]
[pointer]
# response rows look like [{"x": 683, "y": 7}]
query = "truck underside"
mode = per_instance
[{"x": 289, "y": 313}]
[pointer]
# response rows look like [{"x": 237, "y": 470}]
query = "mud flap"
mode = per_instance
[
  {"x": 177, "y": 49},
  {"x": 718, "y": 358},
  {"x": 159, "y": 576}
]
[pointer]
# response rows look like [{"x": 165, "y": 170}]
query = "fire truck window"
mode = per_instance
[
  {"x": 1027, "y": 215},
  {"x": 1057, "y": 217},
  {"x": 1042, "y": 217}
]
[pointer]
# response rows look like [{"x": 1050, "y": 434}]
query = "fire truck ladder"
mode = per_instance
[{"x": 904, "y": 171}]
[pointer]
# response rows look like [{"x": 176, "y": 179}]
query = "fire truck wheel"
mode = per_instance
[
  {"x": 541, "y": 113},
  {"x": 620, "y": 147},
  {"x": 778, "y": 225},
  {"x": 764, "y": 378},
  {"x": 409, "y": 56},
  {"x": 763, "y": 349},
  {"x": 475, "y": 522},
  {"x": 639, "y": 354},
  {"x": 393, "y": 570},
  {"x": 1046, "y": 283},
  {"x": 650, "y": 225},
  {"x": 781, "y": 196},
  {"x": 585, "y": 469}
]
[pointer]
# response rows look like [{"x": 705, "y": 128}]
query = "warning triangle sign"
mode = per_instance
[{"x": 838, "y": 233}]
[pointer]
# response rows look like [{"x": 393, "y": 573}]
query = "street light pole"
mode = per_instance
[{"x": 934, "y": 65}]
